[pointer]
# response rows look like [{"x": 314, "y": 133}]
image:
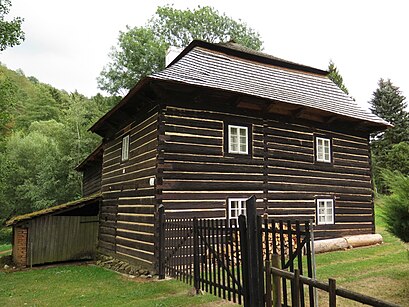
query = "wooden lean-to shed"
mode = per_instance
[{"x": 61, "y": 233}]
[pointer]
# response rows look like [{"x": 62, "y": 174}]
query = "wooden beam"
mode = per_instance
[
  {"x": 331, "y": 119},
  {"x": 298, "y": 112}
]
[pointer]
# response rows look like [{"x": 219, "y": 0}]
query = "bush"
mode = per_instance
[
  {"x": 5, "y": 235},
  {"x": 396, "y": 210}
]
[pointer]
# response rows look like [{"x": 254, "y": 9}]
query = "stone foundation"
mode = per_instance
[{"x": 120, "y": 266}]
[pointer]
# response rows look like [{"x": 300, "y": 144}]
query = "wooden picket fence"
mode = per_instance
[{"x": 248, "y": 261}]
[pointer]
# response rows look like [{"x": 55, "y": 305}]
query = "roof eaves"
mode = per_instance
[
  {"x": 96, "y": 127},
  {"x": 89, "y": 158}
]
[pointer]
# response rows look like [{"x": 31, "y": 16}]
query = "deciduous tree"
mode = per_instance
[
  {"x": 11, "y": 33},
  {"x": 141, "y": 50}
]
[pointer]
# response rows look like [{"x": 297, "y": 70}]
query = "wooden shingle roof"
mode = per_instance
[
  {"x": 236, "y": 69},
  {"x": 214, "y": 69}
]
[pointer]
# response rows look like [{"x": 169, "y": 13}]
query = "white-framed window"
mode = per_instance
[
  {"x": 238, "y": 139},
  {"x": 125, "y": 148},
  {"x": 237, "y": 206},
  {"x": 325, "y": 211},
  {"x": 323, "y": 148}
]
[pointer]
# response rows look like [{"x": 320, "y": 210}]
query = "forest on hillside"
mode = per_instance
[{"x": 43, "y": 137}]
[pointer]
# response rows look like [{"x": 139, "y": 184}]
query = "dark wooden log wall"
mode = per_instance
[
  {"x": 127, "y": 213},
  {"x": 91, "y": 180},
  {"x": 198, "y": 177}
]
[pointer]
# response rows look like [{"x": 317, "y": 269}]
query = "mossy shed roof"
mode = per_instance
[{"x": 55, "y": 209}]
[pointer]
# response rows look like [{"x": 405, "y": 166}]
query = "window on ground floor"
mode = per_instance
[
  {"x": 325, "y": 211},
  {"x": 236, "y": 207}
]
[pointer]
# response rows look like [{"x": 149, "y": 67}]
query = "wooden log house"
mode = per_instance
[{"x": 219, "y": 124}]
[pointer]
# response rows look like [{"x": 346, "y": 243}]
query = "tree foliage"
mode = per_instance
[
  {"x": 396, "y": 205},
  {"x": 139, "y": 53},
  {"x": 11, "y": 33},
  {"x": 336, "y": 77},
  {"x": 141, "y": 50},
  {"x": 45, "y": 137},
  {"x": 388, "y": 103}
]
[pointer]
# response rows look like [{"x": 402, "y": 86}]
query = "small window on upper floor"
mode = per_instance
[
  {"x": 125, "y": 148},
  {"x": 323, "y": 149},
  {"x": 325, "y": 211},
  {"x": 238, "y": 137}
]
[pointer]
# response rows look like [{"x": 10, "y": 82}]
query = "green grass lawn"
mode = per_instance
[
  {"x": 380, "y": 271},
  {"x": 91, "y": 286}
]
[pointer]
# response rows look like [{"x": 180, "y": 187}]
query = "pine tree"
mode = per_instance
[
  {"x": 335, "y": 77},
  {"x": 388, "y": 103}
]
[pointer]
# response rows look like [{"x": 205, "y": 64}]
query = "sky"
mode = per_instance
[{"x": 67, "y": 42}]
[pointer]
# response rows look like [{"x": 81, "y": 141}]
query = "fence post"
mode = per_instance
[
  {"x": 196, "y": 269},
  {"x": 255, "y": 266},
  {"x": 161, "y": 251},
  {"x": 244, "y": 259},
  {"x": 332, "y": 293},
  {"x": 296, "y": 286},
  {"x": 276, "y": 263},
  {"x": 268, "y": 297}
]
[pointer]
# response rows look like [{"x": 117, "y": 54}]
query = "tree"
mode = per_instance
[
  {"x": 397, "y": 158},
  {"x": 139, "y": 53},
  {"x": 388, "y": 103},
  {"x": 335, "y": 77},
  {"x": 11, "y": 33},
  {"x": 396, "y": 205},
  {"x": 141, "y": 50}
]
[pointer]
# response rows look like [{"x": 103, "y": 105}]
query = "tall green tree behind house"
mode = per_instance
[
  {"x": 336, "y": 77},
  {"x": 388, "y": 103},
  {"x": 141, "y": 50},
  {"x": 11, "y": 33}
]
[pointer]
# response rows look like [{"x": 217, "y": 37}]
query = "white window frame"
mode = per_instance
[
  {"x": 326, "y": 143},
  {"x": 239, "y": 143},
  {"x": 241, "y": 207},
  {"x": 325, "y": 204},
  {"x": 125, "y": 148}
]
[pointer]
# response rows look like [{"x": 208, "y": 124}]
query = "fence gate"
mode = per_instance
[
  {"x": 177, "y": 255},
  {"x": 226, "y": 258},
  {"x": 219, "y": 264}
]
